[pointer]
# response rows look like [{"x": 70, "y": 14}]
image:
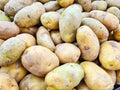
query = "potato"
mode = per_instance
[
  {"x": 86, "y": 4},
  {"x": 115, "y": 3},
  {"x": 66, "y": 26},
  {"x": 118, "y": 77},
  {"x": 99, "y": 5},
  {"x": 13, "y": 6},
  {"x": 82, "y": 86},
  {"x": 51, "y": 6},
  {"x": 44, "y": 1},
  {"x": 44, "y": 39},
  {"x": 60, "y": 10},
  {"x": 31, "y": 82},
  {"x": 85, "y": 14},
  {"x": 88, "y": 43},
  {"x": 109, "y": 55},
  {"x": 55, "y": 35},
  {"x": 65, "y": 3},
  {"x": 116, "y": 34},
  {"x": 39, "y": 60},
  {"x": 24, "y": 17},
  {"x": 16, "y": 70},
  {"x": 72, "y": 74},
  {"x": 2, "y": 4},
  {"x": 11, "y": 50},
  {"x": 8, "y": 29},
  {"x": 108, "y": 19},
  {"x": 1, "y": 41},
  {"x": 3, "y": 16},
  {"x": 98, "y": 28},
  {"x": 50, "y": 20},
  {"x": 7, "y": 82},
  {"x": 29, "y": 39},
  {"x": 95, "y": 77}
]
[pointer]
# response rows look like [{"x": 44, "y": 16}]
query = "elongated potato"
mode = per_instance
[
  {"x": 31, "y": 82},
  {"x": 24, "y": 18},
  {"x": 95, "y": 77},
  {"x": 65, "y": 3},
  {"x": 3, "y": 16},
  {"x": 98, "y": 28},
  {"x": 115, "y": 3},
  {"x": 116, "y": 34},
  {"x": 2, "y": 4},
  {"x": 51, "y": 6},
  {"x": 72, "y": 74},
  {"x": 39, "y": 60},
  {"x": 118, "y": 77},
  {"x": 67, "y": 27},
  {"x": 8, "y": 29},
  {"x": 108, "y": 19},
  {"x": 44, "y": 39},
  {"x": 109, "y": 55},
  {"x": 88, "y": 43},
  {"x": 82, "y": 86}
]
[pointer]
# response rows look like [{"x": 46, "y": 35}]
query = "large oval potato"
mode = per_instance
[
  {"x": 3, "y": 16},
  {"x": 108, "y": 19},
  {"x": 66, "y": 26},
  {"x": 8, "y": 29},
  {"x": 88, "y": 43},
  {"x": 115, "y": 3},
  {"x": 39, "y": 60},
  {"x": 72, "y": 74},
  {"x": 2, "y": 4},
  {"x": 95, "y": 77},
  {"x": 67, "y": 53},
  {"x": 31, "y": 82},
  {"x": 24, "y": 17},
  {"x": 109, "y": 55},
  {"x": 118, "y": 77},
  {"x": 99, "y": 29},
  {"x": 7, "y": 82}
]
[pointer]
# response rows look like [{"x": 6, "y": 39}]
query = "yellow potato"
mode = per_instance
[
  {"x": 31, "y": 82},
  {"x": 50, "y": 20},
  {"x": 39, "y": 60},
  {"x": 64, "y": 77},
  {"x": 88, "y": 43},
  {"x": 115, "y": 3},
  {"x": 69, "y": 22},
  {"x": 2, "y": 4},
  {"x": 1, "y": 41},
  {"x": 8, "y": 29},
  {"x": 116, "y": 34},
  {"x": 98, "y": 28},
  {"x": 3, "y": 16},
  {"x": 7, "y": 82},
  {"x": 108, "y": 19},
  {"x": 95, "y": 77},
  {"x": 24, "y": 17},
  {"x": 67, "y": 53},
  {"x": 118, "y": 77},
  {"x": 16, "y": 70},
  {"x": 44, "y": 39},
  {"x": 44, "y": 1},
  {"x": 82, "y": 86},
  {"x": 109, "y": 55}
]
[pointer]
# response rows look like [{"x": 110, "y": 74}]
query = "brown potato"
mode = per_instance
[
  {"x": 118, "y": 77},
  {"x": 39, "y": 60}
]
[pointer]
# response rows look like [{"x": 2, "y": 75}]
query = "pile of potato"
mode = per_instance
[{"x": 59, "y": 44}]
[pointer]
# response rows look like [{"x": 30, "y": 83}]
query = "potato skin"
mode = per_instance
[
  {"x": 44, "y": 1},
  {"x": 39, "y": 60},
  {"x": 108, "y": 19},
  {"x": 82, "y": 86},
  {"x": 72, "y": 74},
  {"x": 3, "y": 16},
  {"x": 2, "y": 4},
  {"x": 24, "y": 18},
  {"x": 115, "y": 3},
  {"x": 96, "y": 77},
  {"x": 66, "y": 26},
  {"x": 118, "y": 77},
  {"x": 8, "y": 29},
  {"x": 109, "y": 55},
  {"x": 1, "y": 41},
  {"x": 32, "y": 82},
  {"x": 88, "y": 43}
]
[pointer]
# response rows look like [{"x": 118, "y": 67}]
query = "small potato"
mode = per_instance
[
  {"x": 44, "y": 39},
  {"x": 99, "y": 5},
  {"x": 55, "y": 35},
  {"x": 88, "y": 43},
  {"x": 108, "y": 19},
  {"x": 60, "y": 11},
  {"x": 85, "y": 14},
  {"x": 31, "y": 82},
  {"x": 8, "y": 29},
  {"x": 98, "y": 28},
  {"x": 1, "y": 41},
  {"x": 109, "y": 55},
  {"x": 2, "y": 4},
  {"x": 67, "y": 53},
  {"x": 7, "y": 82},
  {"x": 24, "y": 17},
  {"x": 3, "y": 16},
  {"x": 11, "y": 50},
  {"x": 16, "y": 70},
  {"x": 64, "y": 77},
  {"x": 116, "y": 34},
  {"x": 50, "y": 20},
  {"x": 115, "y": 3},
  {"x": 82, "y": 86},
  {"x": 118, "y": 77},
  {"x": 66, "y": 26},
  {"x": 51, "y": 6},
  {"x": 39, "y": 60},
  {"x": 29, "y": 39},
  {"x": 65, "y": 3}
]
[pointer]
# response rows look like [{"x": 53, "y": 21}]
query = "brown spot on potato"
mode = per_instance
[{"x": 86, "y": 48}]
